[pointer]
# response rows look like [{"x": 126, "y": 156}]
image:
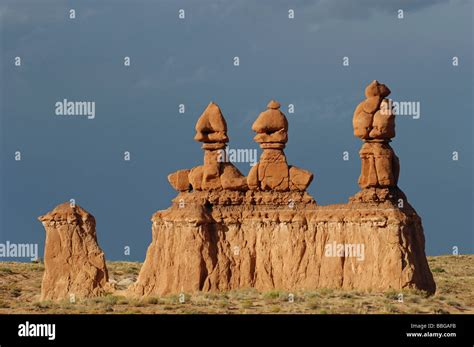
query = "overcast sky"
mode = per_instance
[{"x": 295, "y": 61}]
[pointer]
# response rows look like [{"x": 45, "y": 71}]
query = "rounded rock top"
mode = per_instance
[
  {"x": 211, "y": 119},
  {"x": 66, "y": 210},
  {"x": 271, "y": 120},
  {"x": 274, "y": 105},
  {"x": 211, "y": 126},
  {"x": 377, "y": 89}
]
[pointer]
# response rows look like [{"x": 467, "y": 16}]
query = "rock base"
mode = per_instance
[{"x": 217, "y": 241}]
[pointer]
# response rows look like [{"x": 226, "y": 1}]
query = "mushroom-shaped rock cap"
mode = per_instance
[
  {"x": 271, "y": 120},
  {"x": 377, "y": 89},
  {"x": 211, "y": 125},
  {"x": 67, "y": 211}
]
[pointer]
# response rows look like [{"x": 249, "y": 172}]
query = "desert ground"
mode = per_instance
[{"x": 20, "y": 286}]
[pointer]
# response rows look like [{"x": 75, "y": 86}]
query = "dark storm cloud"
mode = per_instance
[
  {"x": 326, "y": 10},
  {"x": 363, "y": 9},
  {"x": 190, "y": 62}
]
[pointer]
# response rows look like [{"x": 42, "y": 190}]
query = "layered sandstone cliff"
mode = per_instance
[{"x": 254, "y": 239}]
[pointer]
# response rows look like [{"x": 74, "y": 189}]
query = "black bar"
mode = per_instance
[{"x": 230, "y": 329}]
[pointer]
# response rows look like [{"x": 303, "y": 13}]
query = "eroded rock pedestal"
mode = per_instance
[
  {"x": 374, "y": 123},
  {"x": 216, "y": 172},
  {"x": 272, "y": 172},
  {"x": 271, "y": 234},
  {"x": 74, "y": 263}
]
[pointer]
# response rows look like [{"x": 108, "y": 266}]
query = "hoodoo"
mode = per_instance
[
  {"x": 273, "y": 172},
  {"x": 215, "y": 173},
  {"x": 74, "y": 262},
  {"x": 374, "y": 123}
]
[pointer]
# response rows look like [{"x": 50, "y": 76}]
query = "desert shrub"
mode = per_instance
[
  {"x": 391, "y": 308},
  {"x": 326, "y": 291},
  {"x": 43, "y": 304},
  {"x": 247, "y": 304},
  {"x": 152, "y": 300},
  {"x": 312, "y": 305},
  {"x": 414, "y": 299},
  {"x": 438, "y": 270},
  {"x": 213, "y": 296},
  {"x": 275, "y": 309},
  {"x": 15, "y": 292},
  {"x": 223, "y": 303}
]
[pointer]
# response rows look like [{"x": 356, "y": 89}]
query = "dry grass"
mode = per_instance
[{"x": 20, "y": 285}]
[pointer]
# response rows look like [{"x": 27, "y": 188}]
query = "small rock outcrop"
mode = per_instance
[{"x": 74, "y": 263}]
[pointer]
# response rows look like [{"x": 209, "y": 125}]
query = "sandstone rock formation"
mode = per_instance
[
  {"x": 374, "y": 123},
  {"x": 273, "y": 172},
  {"x": 74, "y": 263},
  {"x": 273, "y": 235},
  {"x": 217, "y": 172}
]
